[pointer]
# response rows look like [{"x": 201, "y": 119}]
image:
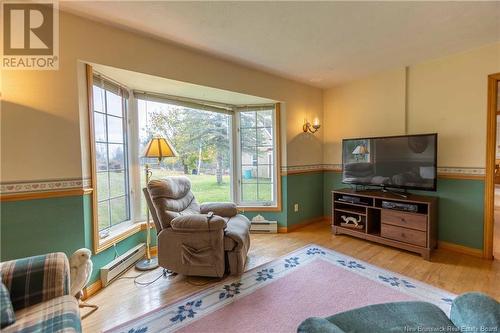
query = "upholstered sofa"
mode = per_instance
[
  {"x": 39, "y": 293},
  {"x": 202, "y": 240},
  {"x": 470, "y": 312}
]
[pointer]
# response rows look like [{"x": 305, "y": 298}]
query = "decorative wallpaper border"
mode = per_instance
[
  {"x": 44, "y": 185},
  {"x": 303, "y": 168},
  {"x": 82, "y": 183},
  {"x": 445, "y": 171},
  {"x": 462, "y": 171},
  {"x": 332, "y": 167}
]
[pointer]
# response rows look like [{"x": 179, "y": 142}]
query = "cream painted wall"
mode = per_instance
[
  {"x": 368, "y": 107},
  {"x": 447, "y": 96},
  {"x": 42, "y": 114}
]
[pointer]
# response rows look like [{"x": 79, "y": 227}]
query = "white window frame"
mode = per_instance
[
  {"x": 106, "y": 86},
  {"x": 136, "y": 172},
  {"x": 127, "y": 228},
  {"x": 237, "y": 181}
]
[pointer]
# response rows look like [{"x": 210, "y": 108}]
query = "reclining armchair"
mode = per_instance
[{"x": 203, "y": 240}]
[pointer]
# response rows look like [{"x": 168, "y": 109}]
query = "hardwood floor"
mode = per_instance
[{"x": 123, "y": 301}]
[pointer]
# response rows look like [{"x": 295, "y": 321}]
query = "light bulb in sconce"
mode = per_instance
[{"x": 311, "y": 128}]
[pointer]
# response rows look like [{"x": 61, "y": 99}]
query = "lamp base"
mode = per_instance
[{"x": 147, "y": 264}]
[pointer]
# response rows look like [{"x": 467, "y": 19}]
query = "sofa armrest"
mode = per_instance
[
  {"x": 225, "y": 209},
  {"x": 197, "y": 222},
  {"x": 476, "y": 311},
  {"x": 36, "y": 279}
]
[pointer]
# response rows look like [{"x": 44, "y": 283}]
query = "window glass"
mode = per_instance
[
  {"x": 202, "y": 140},
  {"x": 113, "y": 104},
  {"x": 115, "y": 129},
  {"x": 112, "y": 186},
  {"x": 257, "y": 157},
  {"x": 100, "y": 126}
]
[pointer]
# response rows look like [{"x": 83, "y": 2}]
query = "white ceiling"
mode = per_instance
[
  {"x": 320, "y": 43},
  {"x": 155, "y": 84}
]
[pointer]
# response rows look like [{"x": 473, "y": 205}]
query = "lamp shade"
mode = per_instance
[
  {"x": 159, "y": 148},
  {"x": 360, "y": 150}
]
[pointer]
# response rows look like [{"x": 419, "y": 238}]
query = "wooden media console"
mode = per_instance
[{"x": 410, "y": 223}]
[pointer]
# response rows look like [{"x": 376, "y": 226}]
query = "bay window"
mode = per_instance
[{"x": 229, "y": 152}]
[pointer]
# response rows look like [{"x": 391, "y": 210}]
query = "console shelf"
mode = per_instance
[{"x": 414, "y": 231}]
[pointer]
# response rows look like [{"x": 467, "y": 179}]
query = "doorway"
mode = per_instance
[{"x": 492, "y": 181}]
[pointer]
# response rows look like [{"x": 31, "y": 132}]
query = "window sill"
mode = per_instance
[
  {"x": 259, "y": 208},
  {"x": 118, "y": 234}
]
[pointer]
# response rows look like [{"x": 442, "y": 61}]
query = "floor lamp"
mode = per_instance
[{"x": 156, "y": 148}]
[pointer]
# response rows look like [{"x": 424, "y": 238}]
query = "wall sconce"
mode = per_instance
[{"x": 311, "y": 128}]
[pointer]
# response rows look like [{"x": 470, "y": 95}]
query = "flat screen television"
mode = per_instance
[{"x": 399, "y": 162}]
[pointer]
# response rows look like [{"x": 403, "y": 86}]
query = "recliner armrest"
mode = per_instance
[
  {"x": 198, "y": 222},
  {"x": 225, "y": 209}
]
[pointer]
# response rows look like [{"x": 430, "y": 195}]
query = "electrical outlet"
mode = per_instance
[{"x": 296, "y": 207}]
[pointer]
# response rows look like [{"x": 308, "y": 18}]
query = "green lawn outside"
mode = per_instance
[{"x": 204, "y": 187}]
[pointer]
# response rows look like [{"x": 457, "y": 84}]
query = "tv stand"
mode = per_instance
[{"x": 363, "y": 215}]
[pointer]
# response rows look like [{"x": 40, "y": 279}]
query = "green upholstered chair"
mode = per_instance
[{"x": 470, "y": 312}]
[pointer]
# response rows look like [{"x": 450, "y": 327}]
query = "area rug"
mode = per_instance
[{"x": 279, "y": 295}]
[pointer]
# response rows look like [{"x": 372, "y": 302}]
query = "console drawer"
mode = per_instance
[
  {"x": 403, "y": 219},
  {"x": 403, "y": 234}
]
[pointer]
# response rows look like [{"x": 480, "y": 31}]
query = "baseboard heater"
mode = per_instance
[
  {"x": 264, "y": 227},
  {"x": 120, "y": 264}
]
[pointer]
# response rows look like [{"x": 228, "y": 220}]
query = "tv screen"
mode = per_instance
[{"x": 407, "y": 162}]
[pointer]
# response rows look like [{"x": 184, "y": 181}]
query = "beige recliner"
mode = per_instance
[{"x": 190, "y": 242}]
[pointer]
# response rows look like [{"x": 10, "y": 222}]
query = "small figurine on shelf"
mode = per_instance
[{"x": 351, "y": 222}]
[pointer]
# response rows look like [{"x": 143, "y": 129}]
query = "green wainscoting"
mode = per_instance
[
  {"x": 32, "y": 227},
  {"x": 64, "y": 224},
  {"x": 331, "y": 181},
  {"x": 306, "y": 190},
  {"x": 461, "y": 211}
]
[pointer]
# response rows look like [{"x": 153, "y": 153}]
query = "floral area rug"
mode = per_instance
[{"x": 279, "y": 295}]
